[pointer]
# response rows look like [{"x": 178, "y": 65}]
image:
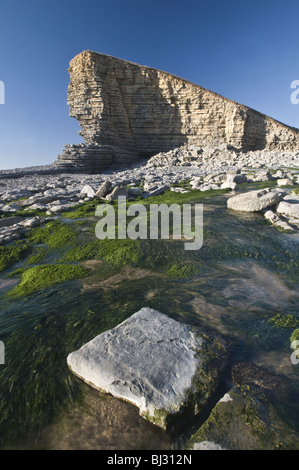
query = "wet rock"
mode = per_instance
[
  {"x": 274, "y": 219},
  {"x": 155, "y": 362},
  {"x": 254, "y": 201},
  {"x": 247, "y": 421},
  {"x": 207, "y": 445},
  {"x": 250, "y": 374}
]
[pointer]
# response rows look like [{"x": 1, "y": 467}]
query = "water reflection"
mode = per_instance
[{"x": 101, "y": 422}]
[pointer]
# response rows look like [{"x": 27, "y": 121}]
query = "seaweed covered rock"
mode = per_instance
[
  {"x": 163, "y": 366},
  {"x": 245, "y": 419}
]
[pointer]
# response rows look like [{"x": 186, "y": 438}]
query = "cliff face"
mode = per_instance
[{"x": 128, "y": 112}]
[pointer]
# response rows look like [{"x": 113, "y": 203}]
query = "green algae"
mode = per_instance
[
  {"x": 295, "y": 335},
  {"x": 284, "y": 321},
  {"x": 258, "y": 185},
  {"x": 44, "y": 276},
  {"x": 82, "y": 252},
  {"x": 159, "y": 418},
  {"x": 183, "y": 270},
  {"x": 23, "y": 213},
  {"x": 38, "y": 255},
  {"x": 12, "y": 254},
  {"x": 55, "y": 234},
  {"x": 212, "y": 354},
  {"x": 151, "y": 254},
  {"x": 84, "y": 210},
  {"x": 36, "y": 377},
  {"x": 172, "y": 197},
  {"x": 61, "y": 319}
]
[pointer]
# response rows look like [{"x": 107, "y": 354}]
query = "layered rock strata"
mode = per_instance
[{"x": 129, "y": 112}]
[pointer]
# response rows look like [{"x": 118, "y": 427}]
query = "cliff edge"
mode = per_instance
[{"x": 128, "y": 112}]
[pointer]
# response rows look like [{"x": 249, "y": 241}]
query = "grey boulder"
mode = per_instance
[
  {"x": 157, "y": 363},
  {"x": 135, "y": 191},
  {"x": 87, "y": 191},
  {"x": 117, "y": 191},
  {"x": 103, "y": 189},
  {"x": 289, "y": 207},
  {"x": 254, "y": 201}
]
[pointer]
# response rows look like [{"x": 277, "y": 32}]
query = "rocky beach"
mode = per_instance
[{"x": 137, "y": 343}]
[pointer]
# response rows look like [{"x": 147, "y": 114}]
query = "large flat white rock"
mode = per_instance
[
  {"x": 254, "y": 201},
  {"x": 289, "y": 207},
  {"x": 149, "y": 360}
]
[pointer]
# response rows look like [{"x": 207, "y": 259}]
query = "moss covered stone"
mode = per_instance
[{"x": 245, "y": 419}]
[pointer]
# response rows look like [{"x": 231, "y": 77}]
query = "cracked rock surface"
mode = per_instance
[{"x": 150, "y": 360}]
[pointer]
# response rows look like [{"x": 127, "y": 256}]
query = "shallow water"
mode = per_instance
[
  {"x": 247, "y": 272},
  {"x": 101, "y": 422}
]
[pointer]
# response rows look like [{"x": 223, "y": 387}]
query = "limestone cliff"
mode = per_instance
[{"x": 128, "y": 112}]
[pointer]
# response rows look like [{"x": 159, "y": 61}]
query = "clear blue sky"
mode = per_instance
[{"x": 245, "y": 50}]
